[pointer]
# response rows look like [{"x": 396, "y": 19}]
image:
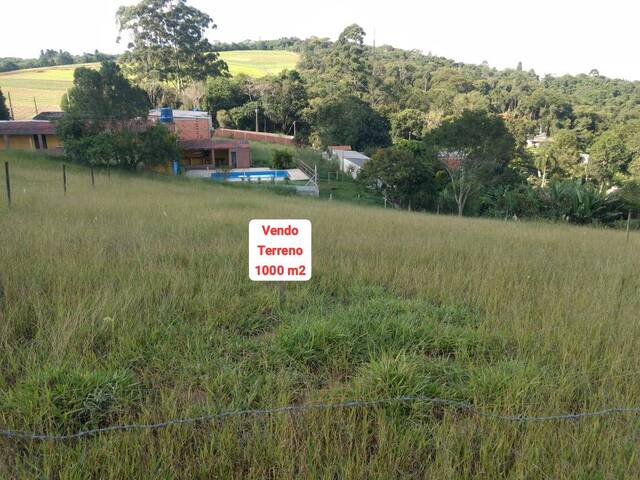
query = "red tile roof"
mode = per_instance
[{"x": 27, "y": 127}]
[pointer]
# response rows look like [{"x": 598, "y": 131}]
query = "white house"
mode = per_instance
[{"x": 350, "y": 161}]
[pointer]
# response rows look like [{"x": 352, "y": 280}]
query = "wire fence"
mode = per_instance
[{"x": 291, "y": 409}]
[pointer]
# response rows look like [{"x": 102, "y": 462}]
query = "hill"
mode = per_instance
[
  {"x": 131, "y": 303},
  {"x": 258, "y": 63},
  {"x": 48, "y": 84}
]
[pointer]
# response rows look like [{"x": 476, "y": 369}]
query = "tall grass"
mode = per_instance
[{"x": 132, "y": 303}]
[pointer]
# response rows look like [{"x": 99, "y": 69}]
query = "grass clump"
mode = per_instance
[
  {"x": 64, "y": 399},
  {"x": 343, "y": 336}
]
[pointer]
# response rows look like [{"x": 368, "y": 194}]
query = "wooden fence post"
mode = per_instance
[
  {"x": 64, "y": 178},
  {"x": 8, "y": 182},
  {"x": 93, "y": 180},
  {"x": 628, "y": 224}
]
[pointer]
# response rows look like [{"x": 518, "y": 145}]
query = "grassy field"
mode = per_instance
[
  {"x": 258, "y": 63},
  {"x": 48, "y": 85},
  {"x": 132, "y": 303}
]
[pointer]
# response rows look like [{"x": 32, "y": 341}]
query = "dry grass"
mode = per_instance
[{"x": 132, "y": 303}]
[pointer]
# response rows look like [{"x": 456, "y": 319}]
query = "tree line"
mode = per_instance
[
  {"x": 443, "y": 135},
  {"x": 50, "y": 57}
]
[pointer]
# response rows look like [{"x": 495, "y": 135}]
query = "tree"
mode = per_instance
[
  {"x": 349, "y": 58},
  {"x": 284, "y": 99},
  {"x": 282, "y": 159},
  {"x": 168, "y": 43},
  {"x": 472, "y": 148},
  {"x": 608, "y": 157},
  {"x": 566, "y": 153},
  {"x": 105, "y": 122},
  {"x": 403, "y": 178},
  {"x": 545, "y": 162},
  {"x": 223, "y": 93},
  {"x": 351, "y": 121},
  {"x": 408, "y": 124},
  {"x": 4, "y": 111},
  {"x": 103, "y": 96}
]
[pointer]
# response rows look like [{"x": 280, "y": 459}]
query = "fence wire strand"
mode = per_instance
[{"x": 456, "y": 405}]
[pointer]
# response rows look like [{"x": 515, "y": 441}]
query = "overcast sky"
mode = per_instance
[{"x": 550, "y": 36}]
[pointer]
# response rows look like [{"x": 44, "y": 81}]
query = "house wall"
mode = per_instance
[
  {"x": 192, "y": 128},
  {"x": 351, "y": 168},
  {"x": 25, "y": 142},
  {"x": 53, "y": 142},
  {"x": 243, "y": 157},
  {"x": 18, "y": 142}
]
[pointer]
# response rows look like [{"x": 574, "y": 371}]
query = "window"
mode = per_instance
[
  {"x": 44, "y": 142},
  {"x": 234, "y": 160},
  {"x": 36, "y": 142}
]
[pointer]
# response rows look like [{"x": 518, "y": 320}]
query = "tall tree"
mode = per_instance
[
  {"x": 350, "y": 60},
  {"x": 4, "y": 111},
  {"x": 351, "y": 121},
  {"x": 408, "y": 124},
  {"x": 104, "y": 96},
  {"x": 168, "y": 42},
  {"x": 401, "y": 175},
  {"x": 473, "y": 148},
  {"x": 284, "y": 99},
  {"x": 608, "y": 156}
]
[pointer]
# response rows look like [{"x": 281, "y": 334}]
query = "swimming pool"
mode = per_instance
[{"x": 251, "y": 175}]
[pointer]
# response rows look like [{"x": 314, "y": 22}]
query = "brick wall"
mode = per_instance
[
  {"x": 192, "y": 128},
  {"x": 259, "y": 136}
]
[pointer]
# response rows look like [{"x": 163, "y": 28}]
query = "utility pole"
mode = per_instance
[
  {"x": 256, "y": 118},
  {"x": 35, "y": 105},
  {"x": 294, "y": 128}
]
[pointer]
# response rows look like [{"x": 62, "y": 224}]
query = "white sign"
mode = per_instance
[{"x": 279, "y": 250}]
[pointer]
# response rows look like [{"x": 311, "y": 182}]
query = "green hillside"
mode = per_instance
[
  {"x": 258, "y": 63},
  {"x": 131, "y": 303},
  {"x": 48, "y": 85}
]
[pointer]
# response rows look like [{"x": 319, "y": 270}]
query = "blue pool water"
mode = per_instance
[{"x": 251, "y": 175}]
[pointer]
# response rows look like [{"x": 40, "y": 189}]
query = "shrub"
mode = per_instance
[{"x": 282, "y": 159}]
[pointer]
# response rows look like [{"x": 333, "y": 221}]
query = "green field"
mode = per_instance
[
  {"x": 48, "y": 85},
  {"x": 131, "y": 303},
  {"x": 258, "y": 63}
]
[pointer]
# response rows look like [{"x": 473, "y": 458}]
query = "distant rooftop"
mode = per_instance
[
  {"x": 181, "y": 113},
  {"x": 351, "y": 155},
  {"x": 27, "y": 127},
  {"x": 49, "y": 116}
]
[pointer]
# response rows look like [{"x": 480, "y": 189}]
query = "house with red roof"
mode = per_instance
[
  {"x": 193, "y": 129},
  {"x": 35, "y": 135}
]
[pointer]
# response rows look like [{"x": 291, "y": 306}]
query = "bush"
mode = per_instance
[{"x": 282, "y": 159}]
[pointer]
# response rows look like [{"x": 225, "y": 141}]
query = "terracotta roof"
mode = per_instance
[
  {"x": 196, "y": 144},
  {"x": 26, "y": 127}
]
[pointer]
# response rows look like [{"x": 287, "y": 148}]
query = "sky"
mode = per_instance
[{"x": 550, "y": 36}]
